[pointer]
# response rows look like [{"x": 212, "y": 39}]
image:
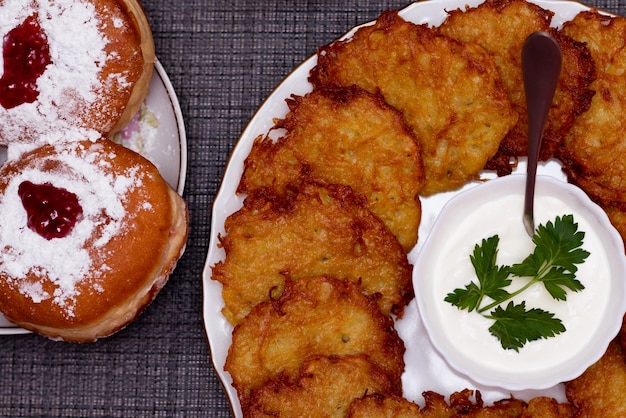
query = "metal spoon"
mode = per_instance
[{"x": 541, "y": 65}]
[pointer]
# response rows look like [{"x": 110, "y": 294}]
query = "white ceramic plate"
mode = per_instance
[
  {"x": 425, "y": 369},
  {"x": 158, "y": 133}
]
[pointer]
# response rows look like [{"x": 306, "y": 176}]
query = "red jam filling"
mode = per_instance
[
  {"x": 26, "y": 54},
  {"x": 52, "y": 212}
]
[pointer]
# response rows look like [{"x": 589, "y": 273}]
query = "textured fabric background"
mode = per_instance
[{"x": 223, "y": 58}]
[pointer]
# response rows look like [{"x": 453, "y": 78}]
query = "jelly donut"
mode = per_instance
[
  {"x": 71, "y": 69},
  {"x": 90, "y": 234}
]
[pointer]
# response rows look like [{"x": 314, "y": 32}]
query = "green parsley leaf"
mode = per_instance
[
  {"x": 557, "y": 252},
  {"x": 515, "y": 326},
  {"x": 558, "y": 280},
  {"x": 491, "y": 278},
  {"x": 553, "y": 262},
  {"x": 468, "y": 298}
]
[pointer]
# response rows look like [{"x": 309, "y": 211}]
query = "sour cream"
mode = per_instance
[{"x": 591, "y": 316}]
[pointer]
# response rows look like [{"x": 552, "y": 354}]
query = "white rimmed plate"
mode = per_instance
[
  {"x": 157, "y": 133},
  {"x": 425, "y": 369}
]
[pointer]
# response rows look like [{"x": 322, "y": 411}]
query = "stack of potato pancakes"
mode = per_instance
[{"x": 315, "y": 269}]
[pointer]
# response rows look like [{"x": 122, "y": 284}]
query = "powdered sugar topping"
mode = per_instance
[
  {"x": 78, "y": 55},
  {"x": 66, "y": 262}
]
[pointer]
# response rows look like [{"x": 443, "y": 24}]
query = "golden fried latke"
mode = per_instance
[
  {"x": 593, "y": 150},
  {"x": 450, "y": 93},
  {"x": 605, "y": 37},
  {"x": 544, "y": 407},
  {"x": 314, "y": 316},
  {"x": 599, "y": 391},
  {"x": 351, "y": 137},
  {"x": 381, "y": 406},
  {"x": 324, "y": 387},
  {"x": 436, "y": 405},
  {"x": 320, "y": 229},
  {"x": 461, "y": 403},
  {"x": 617, "y": 215},
  {"x": 622, "y": 337},
  {"x": 501, "y": 27}
]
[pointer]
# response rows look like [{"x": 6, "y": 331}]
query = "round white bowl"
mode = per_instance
[{"x": 540, "y": 364}]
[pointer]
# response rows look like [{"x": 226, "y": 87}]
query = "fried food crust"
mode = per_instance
[
  {"x": 450, "y": 93},
  {"x": 622, "y": 337},
  {"x": 379, "y": 405},
  {"x": 617, "y": 215},
  {"x": 350, "y": 137},
  {"x": 314, "y": 316},
  {"x": 501, "y": 27},
  {"x": 461, "y": 405},
  {"x": 315, "y": 229},
  {"x": 599, "y": 391},
  {"x": 324, "y": 387},
  {"x": 593, "y": 149},
  {"x": 544, "y": 407}
]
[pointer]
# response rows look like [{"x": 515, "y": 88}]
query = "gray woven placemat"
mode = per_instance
[{"x": 223, "y": 58}]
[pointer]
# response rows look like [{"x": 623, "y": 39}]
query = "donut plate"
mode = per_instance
[{"x": 158, "y": 133}]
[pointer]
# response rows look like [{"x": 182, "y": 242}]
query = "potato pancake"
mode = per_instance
[
  {"x": 449, "y": 92},
  {"x": 389, "y": 406},
  {"x": 622, "y": 337},
  {"x": 501, "y": 27},
  {"x": 617, "y": 216},
  {"x": 599, "y": 391},
  {"x": 324, "y": 387},
  {"x": 351, "y": 137},
  {"x": 593, "y": 149},
  {"x": 315, "y": 229},
  {"x": 314, "y": 316},
  {"x": 544, "y": 407},
  {"x": 383, "y": 406}
]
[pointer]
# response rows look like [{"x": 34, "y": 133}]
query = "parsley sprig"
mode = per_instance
[{"x": 552, "y": 263}]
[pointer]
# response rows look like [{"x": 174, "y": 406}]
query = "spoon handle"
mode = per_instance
[{"x": 541, "y": 66}]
